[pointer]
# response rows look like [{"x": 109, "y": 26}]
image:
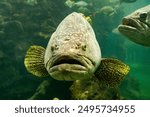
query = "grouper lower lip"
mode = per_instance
[
  {"x": 68, "y": 67},
  {"x": 131, "y": 24},
  {"x": 127, "y": 29}
]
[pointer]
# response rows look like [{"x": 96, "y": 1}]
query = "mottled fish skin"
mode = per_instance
[
  {"x": 73, "y": 51},
  {"x": 136, "y": 26}
]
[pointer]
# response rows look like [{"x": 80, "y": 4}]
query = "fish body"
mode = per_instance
[
  {"x": 69, "y": 3},
  {"x": 81, "y": 4},
  {"x": 31, "y": 2},
  {"x": 73, "y": 53},
  {"x": 136, "y": 26},
  {"x": 107, "y": 10},
  {"x": 128, "y": 1}
]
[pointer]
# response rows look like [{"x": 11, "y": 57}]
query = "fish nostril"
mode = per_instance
[
  {"x": 143, "y": 16},
  {"x": 78, "y": 46},
  {"x": 54, "y": 47}
]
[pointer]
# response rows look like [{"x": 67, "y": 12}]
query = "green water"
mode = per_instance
[{"x": 24, "y": 23}]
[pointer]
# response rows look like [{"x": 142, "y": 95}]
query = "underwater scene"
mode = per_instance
[{"x": 75, "y": 49}]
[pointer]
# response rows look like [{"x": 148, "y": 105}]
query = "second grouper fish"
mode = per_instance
[{"x": 136, "y": 26}]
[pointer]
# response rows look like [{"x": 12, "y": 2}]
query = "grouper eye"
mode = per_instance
[
  {"x": 143, "y": 16},
  {"x": 84, "y": 47}
]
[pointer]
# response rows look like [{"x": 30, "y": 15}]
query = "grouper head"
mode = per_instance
[
  {"x": 73, "y": 51},
  {"x": 136, "y": 26}
]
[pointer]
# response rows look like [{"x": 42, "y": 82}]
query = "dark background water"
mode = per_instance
[{"x": 23, "y": 24}]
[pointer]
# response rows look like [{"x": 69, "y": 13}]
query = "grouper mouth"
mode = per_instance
[
  {"x": 69, "y": 63},
  {"x": 132, "y": 25}
]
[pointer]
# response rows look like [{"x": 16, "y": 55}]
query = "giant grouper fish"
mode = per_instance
[
  {"x": 136, "y": 26},
  {"x": 73, "y": 53}
]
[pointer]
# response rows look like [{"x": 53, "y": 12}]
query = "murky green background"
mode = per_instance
[{"x": 31, "y": 22}]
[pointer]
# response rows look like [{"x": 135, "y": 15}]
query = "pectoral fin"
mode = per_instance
[
  {"x": 34, "y": 61},
  {"x": 111, "y": 72}
]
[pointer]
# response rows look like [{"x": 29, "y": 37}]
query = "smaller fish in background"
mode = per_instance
[
  {"x": 31, "y": 2},
  {"x": 116, "y": 3},
  {"x": 122, "y": 1},
  {"x": 83, "y": 10},
  {"x": 136, "y": 26},
  {"x": 127, "y": 1},
  {"x": 70, "y": 3},
  {"x": 107, "y": 10},
  {"x": 81, "y": 4}
]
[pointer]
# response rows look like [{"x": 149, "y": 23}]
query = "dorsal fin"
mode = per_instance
[
  {"x": 111, "y": 72},
  {"x": 34, "y": 61}
]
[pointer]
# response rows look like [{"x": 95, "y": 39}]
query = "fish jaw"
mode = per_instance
[
  {"x": 135, "y": 30},
  {"x": 70, "y": 67}
]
